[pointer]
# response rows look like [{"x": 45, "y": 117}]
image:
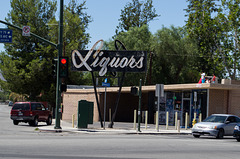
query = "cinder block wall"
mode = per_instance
[
  {"x": 234, "y": 104},
  {"x": 218, "y": 101},
  {"x": 224, "y": 101},
  {"x": 70, "y": 104}
]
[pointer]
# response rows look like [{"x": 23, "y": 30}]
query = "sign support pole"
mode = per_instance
[
  {"x": 158, "y": 110},
  {"x": 159, "y": 93},
  {"x": 120, "y": 86},
  {"x": 105, "y": 103},
  {"x": 117, "y": 101},
  {"x": 95, "y": 90}
]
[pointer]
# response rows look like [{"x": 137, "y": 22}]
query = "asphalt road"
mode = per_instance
[{"x": 23, "y": 141}]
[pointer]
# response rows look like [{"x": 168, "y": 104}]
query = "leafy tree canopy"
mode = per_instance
[
  {"x": 214, "y": 24},
  {"x": 174, "y": 58},
  {"x": 137, "y": 38},
  {"x": 136, "y": 14}
]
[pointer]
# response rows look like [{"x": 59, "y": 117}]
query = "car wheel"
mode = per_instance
[
  {"x": 49, "y": 121},
  {"x": 30, "y": 123},
  {"x": 196, "y": 136},
  {"x": 220, "y": 134},
  {"x": 15, "y": 122},
  {"x": 238, "y": 138},
  {"x": 35, "y": 121}
]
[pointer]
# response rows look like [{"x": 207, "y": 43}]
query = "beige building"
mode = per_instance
[{"x": 210, "y": 98}]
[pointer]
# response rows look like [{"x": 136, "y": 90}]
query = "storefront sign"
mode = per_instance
[{"x": 106, "y": 60}]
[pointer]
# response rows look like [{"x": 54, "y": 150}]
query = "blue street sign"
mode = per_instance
[
  {"x": 105, "y": 84},
  {"x": 5, "y": 36}
]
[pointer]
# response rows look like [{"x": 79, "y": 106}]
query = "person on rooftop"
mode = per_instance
[{"x": 203, "y": 77}]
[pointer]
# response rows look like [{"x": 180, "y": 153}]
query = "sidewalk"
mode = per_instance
[{"x": 118, "y": 128}]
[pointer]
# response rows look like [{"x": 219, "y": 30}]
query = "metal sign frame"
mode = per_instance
[{"x": 105, "y": 61}]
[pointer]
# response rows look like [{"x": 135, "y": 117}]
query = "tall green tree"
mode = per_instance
[
  {"x": 137, "y": 38},
  {"x": 174, "y": 59},
  {"x": 173, "y": 55},
  {"x": 229, "y": 41},
  {"x": 26, "y": 64},
  {"x": 203, "y": 27},
  {"x": 133, "y": 31},
  {"x": 136, "y": 14},
  {"x": 215, "y": 25}
]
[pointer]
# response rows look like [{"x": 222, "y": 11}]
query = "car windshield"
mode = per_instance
[
  {"x": 215, "y": 119},
  {"x": 24, "y": 106}
]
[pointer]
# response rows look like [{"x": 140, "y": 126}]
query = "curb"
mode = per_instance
[
  {"x": 120, "y": 128},
  {"x": 113, "y": 131}
]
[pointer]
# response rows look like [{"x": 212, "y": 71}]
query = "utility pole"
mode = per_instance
[
  {"x": 139, "y": 106},
  {"x": 58, "y": 84}
]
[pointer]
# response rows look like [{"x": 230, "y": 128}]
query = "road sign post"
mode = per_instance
[
  {"x": 195, "y": 102},
  {"x": 159, "y": 93},
  {"x": 105, "y": 84},
  {"x": 139, "y": 105}
]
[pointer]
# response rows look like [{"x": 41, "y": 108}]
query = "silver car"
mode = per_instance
[{"x": 217, "y": 125}]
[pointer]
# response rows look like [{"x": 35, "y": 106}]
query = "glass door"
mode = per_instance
[{"x": 185, "y": 109}]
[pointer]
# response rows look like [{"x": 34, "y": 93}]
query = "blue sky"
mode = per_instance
[{"x": 105, "y": 15}]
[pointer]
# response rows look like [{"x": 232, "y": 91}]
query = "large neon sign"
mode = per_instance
[{"x": 106, "y": 60}]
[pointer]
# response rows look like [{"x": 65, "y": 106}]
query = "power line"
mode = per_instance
[{"x": 190, "y": 55}]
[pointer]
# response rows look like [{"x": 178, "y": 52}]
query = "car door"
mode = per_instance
[
  {"x": 231, "y": 123},
  {"x": 44, "y": 112},
  {"x": 34, "y": 109},
  {"x": 40, "y": 112}
]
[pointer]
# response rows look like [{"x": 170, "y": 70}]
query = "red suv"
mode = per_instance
[{"x": 31, "y": 112}]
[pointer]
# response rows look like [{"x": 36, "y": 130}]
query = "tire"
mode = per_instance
[
  {"x": 34, "y": 122},
  {"x": 15, "y": 122},
  {"x": 30, "y": 123},
  {"x": 196, "y": 136},
  {"x": 49, "y": 121},
  {"x": 238, "y": 138},
  {"x": 220, "y": 134}
]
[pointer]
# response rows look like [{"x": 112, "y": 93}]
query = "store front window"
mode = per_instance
[
  {"x": 181, "y": 103},
  {"x": 199, "y": 105}
]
